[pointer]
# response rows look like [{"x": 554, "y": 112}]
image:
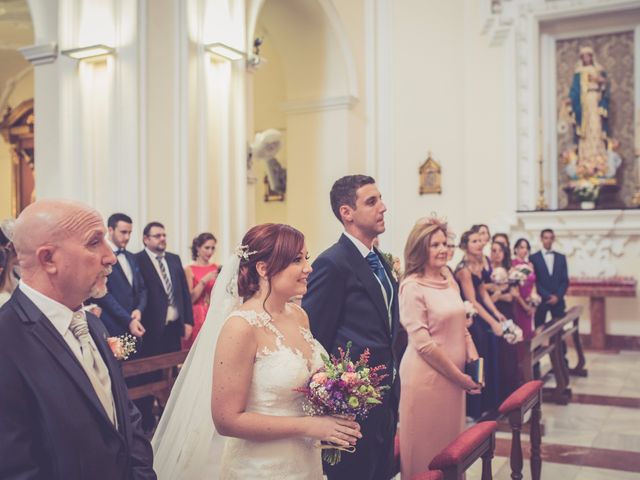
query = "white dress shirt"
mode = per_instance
[
  {"x": 549, "y": 257},
  {"x": 124, "y": 263},
  {"x": 58, "y": 314},
  {"x": 172, "y": 311}
]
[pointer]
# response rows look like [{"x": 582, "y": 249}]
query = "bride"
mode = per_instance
[{"x": 261, "y": 350}]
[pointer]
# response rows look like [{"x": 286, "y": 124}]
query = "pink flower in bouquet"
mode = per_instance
[{"x": 320, "y": 378}]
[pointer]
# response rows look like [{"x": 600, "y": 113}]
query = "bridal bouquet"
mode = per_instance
[
  {"x": 346, "y": 388},
  {"x": 511, "y": 332}
]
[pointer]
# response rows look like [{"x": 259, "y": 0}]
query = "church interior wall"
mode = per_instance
[
  {"x": 21, "y": 90},
  {"x": 350, "y": 98}
]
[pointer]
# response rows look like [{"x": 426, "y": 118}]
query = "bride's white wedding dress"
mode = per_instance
[
  {"x": 277, "y": 372},
  {"x": 186, "y": 444}
]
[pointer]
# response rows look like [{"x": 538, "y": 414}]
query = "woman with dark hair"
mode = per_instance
[
  {"x": 487, "y": 323},
  {"x": 262, "y": 353},
  {"x": 201, "y": 276},
  {"x": 432, "y": 368},
  {"x": 504, "y": 297},
  {"x": 524, "y": 308},
  {"x": 501, "y": 238},
  {"x": 485, "y": 237}
]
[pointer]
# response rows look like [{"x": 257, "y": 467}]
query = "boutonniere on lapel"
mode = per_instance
[
  {"x": 123, "y": 346},
  {"x": 394, "y": 264}
]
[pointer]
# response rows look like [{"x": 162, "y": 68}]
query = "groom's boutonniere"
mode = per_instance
[
  {"x": 394, "y": 264},
  {"x": 123, "y": 346}
]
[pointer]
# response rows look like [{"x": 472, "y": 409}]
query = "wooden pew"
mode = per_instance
[
  {"x": 526, "y": 398},
  {"x": 476, "y": 442},
  {"x": 550, "y": 342},
  {"x": 165, "y": 363}
]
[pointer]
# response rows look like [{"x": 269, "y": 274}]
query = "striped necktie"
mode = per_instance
[
  {"x": 167, "y": 281},
  {"x": 93, "y": 364}
]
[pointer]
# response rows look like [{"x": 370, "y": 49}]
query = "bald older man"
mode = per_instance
[{"x": 64, "y": 409}]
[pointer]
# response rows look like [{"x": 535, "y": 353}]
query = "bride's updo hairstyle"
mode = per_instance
[{"x": 276, "y": 244}]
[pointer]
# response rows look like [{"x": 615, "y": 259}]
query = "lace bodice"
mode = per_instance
[{"x": 278, "y": 371}]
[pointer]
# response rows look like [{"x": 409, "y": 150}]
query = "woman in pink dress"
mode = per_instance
[
  {"x": 524, "y": 308},
  {"x": 201, "y": 276},
  {"x": 432, "y": 401}
]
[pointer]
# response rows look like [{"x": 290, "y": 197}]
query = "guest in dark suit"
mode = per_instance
[
  {"x": 552, "y": 279},
  {"x": 168, "y": 316},
  {"x": 352, "y": 296},
  {"x": 64, "y": 409},
  {"x": 126, "y": 299}
]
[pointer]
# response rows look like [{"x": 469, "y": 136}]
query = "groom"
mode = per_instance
[{"x": 352, "y": 296}]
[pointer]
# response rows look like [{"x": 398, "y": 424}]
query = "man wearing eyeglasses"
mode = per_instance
[{"x": 168, "y": 317}]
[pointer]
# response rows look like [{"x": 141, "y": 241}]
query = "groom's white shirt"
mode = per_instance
[
  {"x": 59, "y": 315},
  {"x": 362, "y": 248}
]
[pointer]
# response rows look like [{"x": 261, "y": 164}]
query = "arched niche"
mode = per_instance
[{"x": 307, "y": 89}]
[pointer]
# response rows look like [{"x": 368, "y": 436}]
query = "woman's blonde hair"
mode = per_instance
[{"x": 416, "y": 250}]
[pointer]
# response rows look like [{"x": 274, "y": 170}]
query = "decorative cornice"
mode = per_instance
[
  {"x": 578, "y": 222},
  {"x": 318, "y": 104},
  {"x": 40, "y": 54}
]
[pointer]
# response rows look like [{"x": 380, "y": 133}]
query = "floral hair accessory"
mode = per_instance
[
  {"x": 243, "y": 253},
  {"x": 434, "y": 222}
]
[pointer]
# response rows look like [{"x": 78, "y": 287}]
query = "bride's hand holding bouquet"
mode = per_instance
[{"x": 343, "y": 390}]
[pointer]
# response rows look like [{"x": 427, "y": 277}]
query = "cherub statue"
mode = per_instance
[{"x": 266, "y": 146}]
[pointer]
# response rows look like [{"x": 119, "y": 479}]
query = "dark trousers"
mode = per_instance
[
  {"x": 373, "y": 458},
  {"x": 557, "y": 311},
  {"x": 166, "y": 342}
]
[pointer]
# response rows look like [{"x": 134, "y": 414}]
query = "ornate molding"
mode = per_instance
[
  {"x": 40, "y": 54},
  {"x": 591, "y": 239},
  {"x": 318, "y": 104},
  {"x": 524, "y": 18}
]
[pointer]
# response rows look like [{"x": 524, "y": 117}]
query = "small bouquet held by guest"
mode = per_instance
[
  {"x": 469, "y": 309},
  {"x": 512, "y": 333},
  {"x": 534, "y": 299},
  {"x": 499, "y": 276},
  {"x": 518, "y": 274},
  {"x": 345, "y": 388},
  {"x": 123, "y": 346}
]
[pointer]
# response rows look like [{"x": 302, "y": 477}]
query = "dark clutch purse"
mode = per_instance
[{"x": 475, "y": 370}]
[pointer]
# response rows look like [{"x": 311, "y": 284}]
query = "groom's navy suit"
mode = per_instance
[
  {"x": 52, "y": 425},
  {"x": 345, "y": 303},
  {"x": 550, "y": 283},
  {"x": 122, "y": 297}
]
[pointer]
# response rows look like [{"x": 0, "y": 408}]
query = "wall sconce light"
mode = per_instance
[
  {"x": 224, "y": 52},
  {"x": 92, "y": 52}
]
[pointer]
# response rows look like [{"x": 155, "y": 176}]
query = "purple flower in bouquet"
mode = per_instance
[{"x": 346, "y": 388}]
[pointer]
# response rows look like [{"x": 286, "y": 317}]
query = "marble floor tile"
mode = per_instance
[
  {"x": 551, "y": 471},
  {"x": 587, "y": 473},
  {"x": 618, "y": 441}
]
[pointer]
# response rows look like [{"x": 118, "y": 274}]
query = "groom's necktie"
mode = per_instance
[
  {"x": 377, "y": 268},
  {"x": 93, "y": 364}
]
